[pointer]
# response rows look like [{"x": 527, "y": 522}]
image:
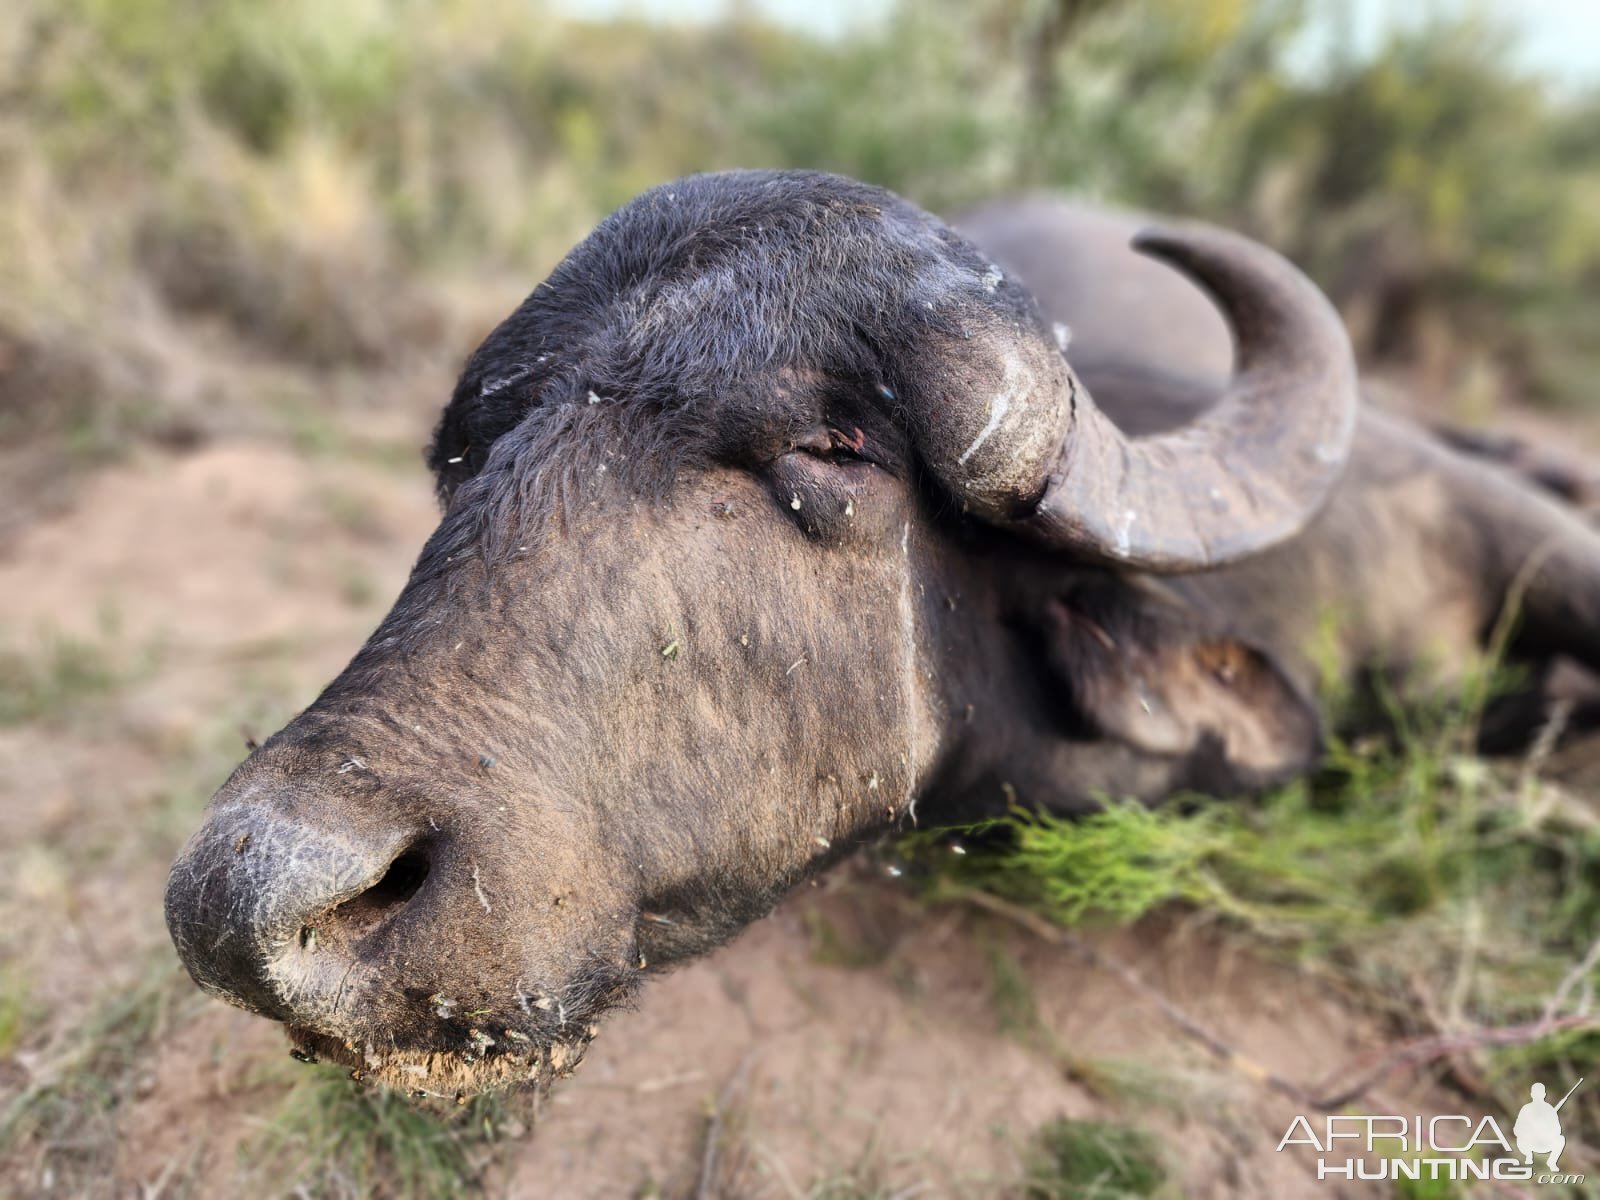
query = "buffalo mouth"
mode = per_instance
[{"x": 494, "y": 1060}]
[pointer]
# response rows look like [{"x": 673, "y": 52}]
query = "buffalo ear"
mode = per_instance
[{"x": 1221, "y": 709}]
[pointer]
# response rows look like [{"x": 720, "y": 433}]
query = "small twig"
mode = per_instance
[
  {"x": 707, "y": 1178},
  {"x": 651, "y": 1086},
  {"x": 1499, "y": 639},
  {"x": 1544, "y": 744},
  {"x": 1461, "y": 986},
  {"x": 706, "y": 1181},
  {"x": 1578, "y": 974},
  {"x": 1463, "y": 1065},
  {"x": 1421, "y": 1051}
]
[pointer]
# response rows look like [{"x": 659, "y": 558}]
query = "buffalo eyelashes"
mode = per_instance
[{"x": 836, "y": 444}]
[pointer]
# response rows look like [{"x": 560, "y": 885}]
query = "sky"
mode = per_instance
[{"x": 1559, "y": 37}]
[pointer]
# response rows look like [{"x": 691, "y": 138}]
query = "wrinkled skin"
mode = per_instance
[
  {"x": 698, "y": 620},
  {"x": 606, "y": 793}
]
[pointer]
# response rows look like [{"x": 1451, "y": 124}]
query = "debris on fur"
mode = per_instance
[{"x": 487, "y": 1062}]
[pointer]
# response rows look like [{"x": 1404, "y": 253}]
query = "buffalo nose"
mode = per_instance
[{"x": 268, "y": 912}]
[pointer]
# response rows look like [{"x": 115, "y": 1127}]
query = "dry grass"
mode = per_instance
[{"x": 224, "y": 219}]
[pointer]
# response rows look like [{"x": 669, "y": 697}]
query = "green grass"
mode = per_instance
[
  {"x": 13, "y": 1011},
  {"x": 1016, "y": 1010},
  {"x": 334, "y": 1138},
  {"x": 861, "y": 940},
  {"x": 358, "y": 588},
  {"x": 65, "y": 1123},
  {"x": 1380, "y": 846},
  {"x": 52, "y": 680},
  {"x": 1428, "y": 881},
  {"x": 1092, "y": 1160}
]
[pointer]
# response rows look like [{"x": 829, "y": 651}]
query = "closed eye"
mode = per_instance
[{"x": 833, "y": 444}]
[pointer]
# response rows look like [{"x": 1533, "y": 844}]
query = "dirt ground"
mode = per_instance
[{"x": 855, "y": 1039}]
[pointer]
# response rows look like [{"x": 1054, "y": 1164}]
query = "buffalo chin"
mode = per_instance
[{"x": 433, "y": 1076}]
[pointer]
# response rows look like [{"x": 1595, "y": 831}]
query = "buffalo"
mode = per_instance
[{"x": 775, "y": 518}]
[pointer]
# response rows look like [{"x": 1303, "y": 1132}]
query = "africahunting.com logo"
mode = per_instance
[{"x": 1443, "y": 1147}]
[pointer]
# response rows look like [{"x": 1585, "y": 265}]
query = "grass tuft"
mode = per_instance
[
  {"x": 13, "y": 1012},
  {"x": 1387, "y": 847},
  {"x": 1092, "y": 1160},
  {"x": 335, "y": 1138},
  {"x": 64, "y": 1124},
  {"x": 53, "y": 680},
  {"x": 1016, "y": 1009}
]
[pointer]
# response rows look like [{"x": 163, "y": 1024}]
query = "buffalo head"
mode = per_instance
[{"x": 736, "y": 507}]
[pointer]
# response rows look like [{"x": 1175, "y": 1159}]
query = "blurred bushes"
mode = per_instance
[
  {"x": 193, "y": 183},
  {"x": 1451, "y": 205}
]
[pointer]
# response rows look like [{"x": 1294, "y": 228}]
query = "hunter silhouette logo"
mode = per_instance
[
  {"x": 1538, "y": 1127},
  {"x": 1445, "y": 1146}
]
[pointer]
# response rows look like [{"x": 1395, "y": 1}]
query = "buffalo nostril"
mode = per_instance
[
  {"x": 360, "y": 914},
  {"x": 270, "y": 913}
]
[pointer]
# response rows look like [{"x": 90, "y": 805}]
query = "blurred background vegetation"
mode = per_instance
[{"x": 224, "y": 214}]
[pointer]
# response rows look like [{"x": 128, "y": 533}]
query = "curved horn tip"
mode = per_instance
[
  {"x": 1170, "y": 243},
  {"x": 1151, "y": 236}
]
